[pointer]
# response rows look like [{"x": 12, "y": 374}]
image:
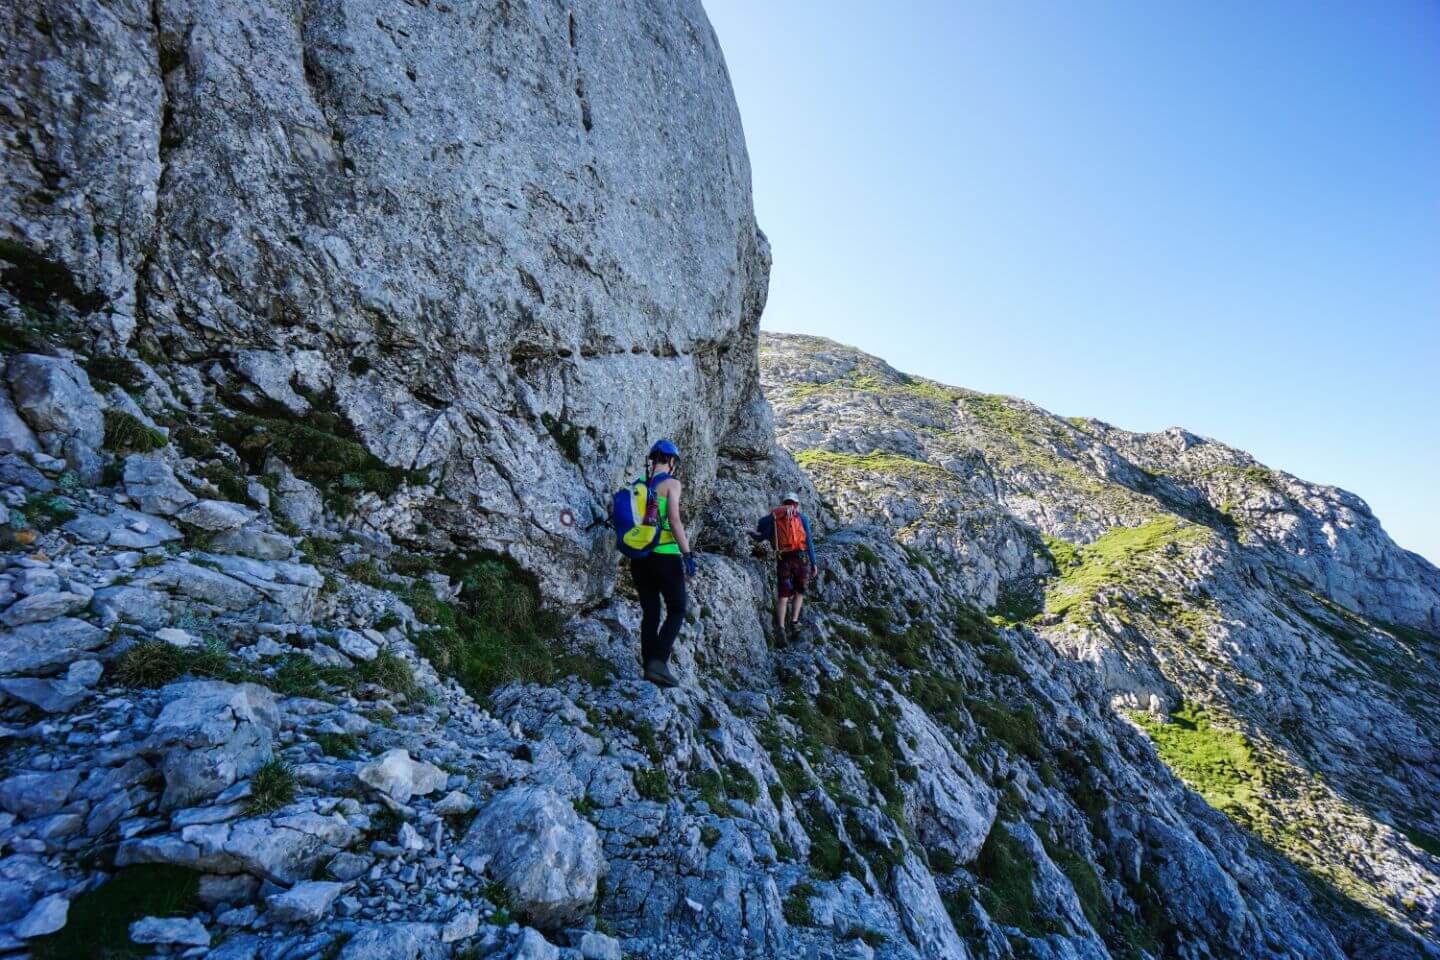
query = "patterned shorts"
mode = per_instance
[{"x": 793, "y": 572}]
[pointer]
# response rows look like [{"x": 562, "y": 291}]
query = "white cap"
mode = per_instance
[{"x": 790, "y": 497}]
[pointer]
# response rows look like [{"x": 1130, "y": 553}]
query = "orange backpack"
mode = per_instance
[{"x": 789, "y": 530}]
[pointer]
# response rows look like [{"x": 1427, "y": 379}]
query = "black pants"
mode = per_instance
[{"x": 659, "y": 575}]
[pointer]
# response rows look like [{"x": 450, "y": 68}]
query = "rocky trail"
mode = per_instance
[{"x": 326, "y": 330}]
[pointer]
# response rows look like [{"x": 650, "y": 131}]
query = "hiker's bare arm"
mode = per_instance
[{"x": 677, "y": 527}]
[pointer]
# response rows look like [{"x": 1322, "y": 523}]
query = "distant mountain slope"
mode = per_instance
[{"x": 1287, "y": 640}]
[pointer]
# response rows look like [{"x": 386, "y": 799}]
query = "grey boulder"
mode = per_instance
[
  {"x": 211, "y": 734},
  {"x": 177, "y": 931},
  {"x": 393, "y": 941},
  {"x": 48, "y": 915},
  {"x": 151, "y": 482},
  {"x": 40, "y": 607},
  {"x": 547, "y": 857},
  {"x": 15, "y": 434},
  {"x": 215, "y": 516},
  {"x": 396, "y": 776},
  {"x": 55, "y": 398},
  {"x": 304, "y": 902}
]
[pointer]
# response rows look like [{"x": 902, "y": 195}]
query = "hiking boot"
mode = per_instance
[{"x": 658, "y": 673}]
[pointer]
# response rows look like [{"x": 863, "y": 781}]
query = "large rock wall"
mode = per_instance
[{"x": 512, "y": 242}]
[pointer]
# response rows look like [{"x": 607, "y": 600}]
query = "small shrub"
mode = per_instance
[
  {"x": 45, "y": 511},
  {"x": 342, "y": 746},
  {"x": 386, "y": 622},
  {"x": 128, "y": 433},
  {"x": 1019, "y": 729},
  {"x": 366, "y": 571},
  {"x": 391, "y": 672},
  {"x": 1008, "y": 877},
  {"x": 652, "y": 783},
  {"x": 154, "y": 663},
  {"x": 797, "y": 905},
  {"x": 827, "y": 854},
  {"x": 1003, "y": 662},
  {"x": 195, "y": 444},
  {"x": 941, "y": 861},
  {"x": 99, "y": 920},
  {"x": 272, "y": 787},
  {"x": 318, "y": 550},
  {"x": 495, "y": 892},
  {"x": 232, "y": 486},
  {"x": 120, "y": 371},
  {"x": 565, "y": 434}
]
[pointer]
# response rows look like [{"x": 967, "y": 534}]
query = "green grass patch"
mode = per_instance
[
  {"x": 45, "y": 511},
  {"x": 845, "y": 717},
  {"x": 122, "y": 372},
  {"x": 1217, "y": 763},
  {"x": 299, "y": 676},
  {"x": 1000, "y": 414},
  {"x": 1018, "y": 729},
  {"x": 1423, "y": 839},
  {"x": 1111, "y": 560},
  {"x": 99, "y": 920},
  {"x": 497, "y": 632},
  {"x": 1017, "y": 603},
  {"x": 154, "y": 663},
  {"x": 874, "y": 462},
  {"x": 1089, "y": 889},
  {"x": 127, "y": 433},
  {"x": 232, "y": 486}
]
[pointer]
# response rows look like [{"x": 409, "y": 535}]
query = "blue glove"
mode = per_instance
[{"x": 689, "y": 564}]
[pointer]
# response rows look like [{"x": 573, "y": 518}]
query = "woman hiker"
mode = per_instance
[{"x": 662, "y": 573}]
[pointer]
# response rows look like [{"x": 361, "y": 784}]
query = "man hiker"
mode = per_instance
[
  {"x": 787, "y": 529},
  {"x": 662, "y": 573}
]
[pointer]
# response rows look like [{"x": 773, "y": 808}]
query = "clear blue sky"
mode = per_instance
[{"x": 1221, "y": 215}]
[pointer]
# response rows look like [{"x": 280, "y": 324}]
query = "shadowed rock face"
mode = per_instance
[{"x": 511, "y": 242}]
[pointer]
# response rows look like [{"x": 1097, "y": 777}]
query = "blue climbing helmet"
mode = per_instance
[{"x": 664, "y": 450}]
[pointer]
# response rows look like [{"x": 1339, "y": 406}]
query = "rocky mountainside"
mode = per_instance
[
  {"x": 326, "y": 328},
  {"x": 1267, "y": 635}
]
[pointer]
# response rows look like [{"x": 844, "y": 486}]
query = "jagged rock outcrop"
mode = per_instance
[{"x": 508, "y": 244}]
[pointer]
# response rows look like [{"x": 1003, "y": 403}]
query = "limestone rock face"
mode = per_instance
[{"x": 512, "y": 244}]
